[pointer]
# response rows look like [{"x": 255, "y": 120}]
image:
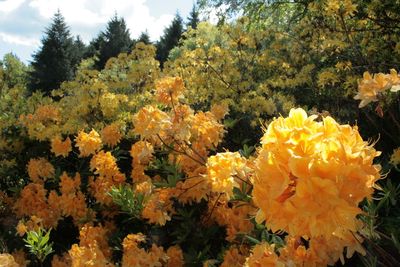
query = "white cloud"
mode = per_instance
[
  {"x": 92, "y": 13},
  {"x": 18, "y": 40},
  {"x": 23, "y": 22},
  {"x": 10, "y": 5}
]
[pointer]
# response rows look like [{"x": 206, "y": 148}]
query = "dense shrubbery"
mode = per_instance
[{"x": 208, "y": 162}]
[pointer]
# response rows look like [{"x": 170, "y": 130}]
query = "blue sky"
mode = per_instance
[{"x": 22, "y": 22}]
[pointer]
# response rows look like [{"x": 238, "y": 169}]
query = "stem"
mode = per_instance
[{"x": 212, "y": 210}]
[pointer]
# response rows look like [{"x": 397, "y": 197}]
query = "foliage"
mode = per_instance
[
  {"x": 38, "y": 244},
  {"x": 129, "y": 202}
]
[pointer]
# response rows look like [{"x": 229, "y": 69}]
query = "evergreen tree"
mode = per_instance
[
  {"x": 170, "y": 39},
  {"x": 116, "y": 39},
  {"x": 144, "y": 37},
  {"x": 78, "y": 51},
  {"x": 54, "y": 62},
  {"x": 193, "y": 18}
]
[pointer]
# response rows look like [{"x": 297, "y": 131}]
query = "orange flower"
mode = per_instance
[
  {"x": 233, "y": 258},
  {"x": 61, "y": 148},
  {"x": 311, "y": 176},
  {"x": 7, "y": 260},
  {"x": 40, "y": 168},
  {"x": 88, "y": 144},
  {"x": 111, "y": 135},
  {"x": 371, "y": 86},
  {"x": 169, "y": 89},
  {"x": 225, "y": 171},
  {"x": 150, "y": 122},
  {"x": 263, "y": 255},
  {"x": 175, "y": 257}
]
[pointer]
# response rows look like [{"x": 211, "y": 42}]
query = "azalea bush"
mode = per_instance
[
  {"x": 159, "y": 191},
  {"x": 229, "y": 156}
]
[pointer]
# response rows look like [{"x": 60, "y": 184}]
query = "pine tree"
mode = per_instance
[
  {"x": 193, "y": 18},
  {"x": 116, "y": 39},
  {"x": 78, "y": 51},
  {"x": 170, "y": 39},
  {"x": 144, "y": 38},
  {"x": 53, "y": 63}
]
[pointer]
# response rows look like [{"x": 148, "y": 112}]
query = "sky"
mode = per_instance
[{"x": 23, "y": 22}]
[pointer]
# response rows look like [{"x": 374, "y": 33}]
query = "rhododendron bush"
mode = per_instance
[
  {"x": 219, "y": 159},
  {"x": 303, "y": 186}
]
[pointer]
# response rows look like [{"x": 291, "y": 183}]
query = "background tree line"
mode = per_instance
[{"x": 60, "y": 53}]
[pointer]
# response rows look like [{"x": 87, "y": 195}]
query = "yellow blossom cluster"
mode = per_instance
[
  {"x": 33, "y": 201},
  {"x": 395, "y": 157},
  {"x": 88, "y": 144},
  {"x": 71, "y": 202},
  {"x": 310, "y": 177},
  {"x": 134, "y": 256},
  {"x": 169, "y": 89},
  {"x": 263, "y": 255},
  {"x": 235, "y": 217},
  {"x": 226, "y": 171},
  {"x": 39, "y": 170},
  {"x": 234, "y": 257},
  {"x": 111, "y": 135},
  {"x": 104, "y": 164},
  {"x": 141, "y": 153},
  {"x": 158, "y": 209},
  {"x": 61, "y": 148},
  {"x": 372, "y": 86},
  {"x": 8, "y": 260},
  {"x": 43, "y": 123},
  {"x": 93, "y": 249},
  {"x": 150, "y": 122}
]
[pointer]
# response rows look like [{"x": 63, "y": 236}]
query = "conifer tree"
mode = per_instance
[
  {"x": 114, "y": 40},
  {"x": 193, "y": 18},
  {"x": 144, "y": 37},
  {"x": 53, "y": 63},
  {"x": 170, "y": 39},
  {"x": 78, "y": 51}
]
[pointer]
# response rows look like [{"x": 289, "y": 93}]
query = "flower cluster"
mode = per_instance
[
  {"x": 88, "y": 144},
  {"x": 372, "y": 86},
  {"x": 311, "y": 176}
]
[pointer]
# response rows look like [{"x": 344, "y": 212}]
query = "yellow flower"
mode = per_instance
[
  {"x": 233, "y": 258},
  {"x": 7, "y": 260},
  {"x": 40, "y": 168},
  {"x": 63, "y": 261},
  {"x": 20, "y": 258},
  {"x": 88, "y": 144},
  {"x": 134, "y": 256},
  {"x": 21, "y": 228},
  {"x": 169, "y": 89},
  {"x": 395, "y": 157},
  {"x": 104, "y": 164},
  {"x": 111, "y": 135},
  {"x": 263, "y": 255},
  {"x": 371, "y": 86},
  {"x": 141, "y": 152},
  {"x": 175, "y": 256},
  {"x": 220, "y": 110},
  {"x": 150, "y": 122},
  {"x": 61, "y": 148},
  {"x": 311, "y": 176},
  {"x": 159, "y": 207},
  {"x": 225, "y": 171}
]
